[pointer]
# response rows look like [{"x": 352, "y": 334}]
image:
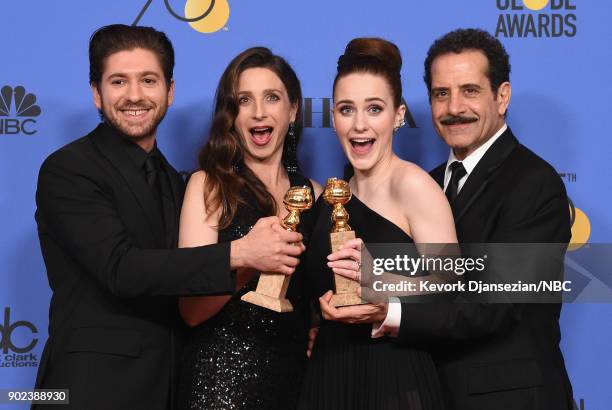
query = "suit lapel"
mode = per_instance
[
  {"x": 438, "y": 174},
  {"x": 109, "y": 144},
  {"x": 176, "y": 183},
  {"x": 479, "y": 178},
  {"x": 473, "y": 191},
  {"x": 178, "y": 190}
]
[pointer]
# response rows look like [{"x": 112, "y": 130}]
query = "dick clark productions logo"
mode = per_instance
[
  {"x": 536, "y": 18},
  {"x": 25, "y": 109},
  {"x": 11, "y": 353}
]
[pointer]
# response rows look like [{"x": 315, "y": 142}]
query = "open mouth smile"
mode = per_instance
[
  {"x": 135, "y": 112},
  {"x": 361, "y": 146},
  {"x": 261, "y": 135}
]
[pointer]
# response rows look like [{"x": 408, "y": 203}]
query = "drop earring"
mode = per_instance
[
  {"x": 400, "y": 125},
  {"x": 290, "y": 157}
]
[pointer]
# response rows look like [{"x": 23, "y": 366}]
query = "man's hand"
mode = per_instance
[
  {"x": 267, "y": 248},
  {"x": 369, "y": 313}
]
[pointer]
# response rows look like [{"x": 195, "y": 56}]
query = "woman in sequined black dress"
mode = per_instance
[
  {"x": 354, "y": 365},
  {"x": 242, "y": 356}
]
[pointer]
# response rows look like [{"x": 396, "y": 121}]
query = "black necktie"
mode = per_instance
[
  {"x": 152, "y": 167},
  {"x": 153, "y": 175},
  {"x": 457, "y": 172},
  {"x": 162, "y": 193}
]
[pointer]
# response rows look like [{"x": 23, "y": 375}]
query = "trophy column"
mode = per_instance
[
  {"x": 337, "y": 194},
  {"x": 272, "y": 287}
]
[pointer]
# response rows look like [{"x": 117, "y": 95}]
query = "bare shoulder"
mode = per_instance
[
  {"x": 195, "y": 185},
  {"x": 424, "y": 205},
  {"x": 197, "y": 225},
  {"x": 198, "y": 177},
  {"x": 412, "y": 181},
  {"x": 194, "y": 193},
  {"x": 194, "y": 210}
]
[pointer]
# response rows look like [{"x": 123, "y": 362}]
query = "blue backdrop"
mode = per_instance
[{"x": 560, "y": 78}]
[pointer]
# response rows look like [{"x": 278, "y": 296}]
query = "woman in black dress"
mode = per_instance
[
  {"x": 241, "y": 356},
  {"x": 354, "y": 365}
]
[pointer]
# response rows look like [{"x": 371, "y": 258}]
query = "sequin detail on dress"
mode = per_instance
[{"x": 246, "y": 357}]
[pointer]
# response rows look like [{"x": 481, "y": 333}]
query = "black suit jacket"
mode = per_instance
[
  {"x": 500, "y": 356},
  {"x": 113, "y": 314}
]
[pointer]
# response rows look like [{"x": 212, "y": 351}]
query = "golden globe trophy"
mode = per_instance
[
  {"x": 272, "y": 287},
  {"x": 337, "y": 194}
]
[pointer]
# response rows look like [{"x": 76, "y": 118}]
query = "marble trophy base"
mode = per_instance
[
  {"x": 346, "y": 289},
  {"x": 270, "y": 293}
]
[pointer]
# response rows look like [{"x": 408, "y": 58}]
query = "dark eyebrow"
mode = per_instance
[
  {"x": 370, "y": 99},
  {"x": 143, "y": 74},
  {"x": 436, "y": 89},
  {"x": 270, "y": 90},
  {"x": 153, "y": 73},
  {"x": 113, "y": 75},
  {"x": 464, "y": 86}
]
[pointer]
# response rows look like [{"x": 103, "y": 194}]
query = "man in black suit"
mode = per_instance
[
  {"x": 108, "y": 209},
  {"x": 490, "y": 356}
]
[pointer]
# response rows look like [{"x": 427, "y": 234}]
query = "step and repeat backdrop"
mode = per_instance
[{"x": 560, "y": 55}]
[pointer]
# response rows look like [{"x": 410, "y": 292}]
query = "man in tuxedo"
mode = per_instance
[
  {"x": 107, "y": 212},
  {"x": 489, "y": 355},
  {"x": 501, "y": 356}
]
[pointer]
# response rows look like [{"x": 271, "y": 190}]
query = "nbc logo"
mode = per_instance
[
  {"x": 25, "y": 106},
  {"x": 205, "y": 16}
]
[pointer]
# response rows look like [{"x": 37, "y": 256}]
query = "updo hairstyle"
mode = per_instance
[{"x": 374, "y": 56}]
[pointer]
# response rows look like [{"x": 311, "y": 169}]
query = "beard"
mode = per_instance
[{"x": 134, "y": 130}]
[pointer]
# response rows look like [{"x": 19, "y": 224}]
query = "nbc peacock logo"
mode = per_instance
[
  {"x": 25, "y": 108},
  {"x": 205, "y": 16}
]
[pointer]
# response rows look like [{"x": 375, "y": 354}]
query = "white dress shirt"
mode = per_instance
[
  {"x": 470, "y": 162},
  {"x": 390, "y": 326}
]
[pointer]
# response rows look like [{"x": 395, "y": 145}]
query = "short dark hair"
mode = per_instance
[
  {"x": 472, "y": 39},
  {"x": 111, "y": 39}
]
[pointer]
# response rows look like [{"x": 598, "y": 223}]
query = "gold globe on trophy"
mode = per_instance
[
  {"x": 272, "y": 287},
  {"x": 337, "y": 193}
]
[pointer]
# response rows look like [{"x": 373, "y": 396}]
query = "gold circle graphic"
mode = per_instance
[
  {"x": 581, "y": 231},
  {"x": 211, "y": 23},
  {"x": 535, "y": 5}
]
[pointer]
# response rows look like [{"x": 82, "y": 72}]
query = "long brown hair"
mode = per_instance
[{"x": 222, "y": 157}]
